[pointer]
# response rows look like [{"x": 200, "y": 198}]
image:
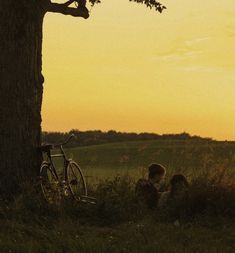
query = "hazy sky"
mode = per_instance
[{"x": 130, "y": 68}]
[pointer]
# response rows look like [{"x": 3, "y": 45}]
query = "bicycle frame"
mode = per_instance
[
  {"x": 51, "y": 162},
  {"x": 62, "y": 154}
]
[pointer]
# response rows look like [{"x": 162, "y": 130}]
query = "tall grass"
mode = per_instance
[
  {"x": 120, "y": 223},
  {"x": 211, "y": 194}
]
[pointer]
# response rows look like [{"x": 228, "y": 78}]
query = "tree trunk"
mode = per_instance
[{"x": 20, "y": 92}]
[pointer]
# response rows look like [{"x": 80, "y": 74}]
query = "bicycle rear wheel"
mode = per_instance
[
  {"x": 49, "y": 184},
  {"x": 76, "y": 181}
]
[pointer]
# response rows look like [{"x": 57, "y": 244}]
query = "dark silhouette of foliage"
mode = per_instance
[
  {"x": 149, "y": 3},
  {"x": 152, "y": 4},
  {"x": 95, "y": 137}
]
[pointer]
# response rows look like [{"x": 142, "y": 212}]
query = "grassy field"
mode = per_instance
[
  {"x": 117, "y": 223},
  {"x": 187, "y": 157}
]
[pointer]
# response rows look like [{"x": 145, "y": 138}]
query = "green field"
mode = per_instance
[{"x": 188, "y": 157}]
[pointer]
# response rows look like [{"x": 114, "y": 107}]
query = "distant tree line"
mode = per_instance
[{"x": 95, "y": 137}]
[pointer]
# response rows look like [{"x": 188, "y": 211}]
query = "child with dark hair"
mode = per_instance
[
  {"x": 145, "y": 189},
  {"x": 178, "y": 188}
]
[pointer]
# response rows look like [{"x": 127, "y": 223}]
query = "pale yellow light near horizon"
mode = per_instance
[{"x": 129, "y": 68}]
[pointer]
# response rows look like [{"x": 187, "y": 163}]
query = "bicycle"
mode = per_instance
[{"x": 69, "y": 183}]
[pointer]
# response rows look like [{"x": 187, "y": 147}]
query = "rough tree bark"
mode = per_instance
[{"x": 20, "y": 91}]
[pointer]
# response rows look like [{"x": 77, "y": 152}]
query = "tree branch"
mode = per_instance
[
  {"x": 64, "y": 9},
  {"x": 69, "y": 2}
]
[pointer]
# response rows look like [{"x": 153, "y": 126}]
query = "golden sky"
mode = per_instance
[{"x": 129, "y": 68}]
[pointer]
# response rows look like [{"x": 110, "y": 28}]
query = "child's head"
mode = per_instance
[
  {"x": 156, "y": 172},
  {"x": 178, "y": 183}
]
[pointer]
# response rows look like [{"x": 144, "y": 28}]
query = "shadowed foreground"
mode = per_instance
[
  {"x": 66, "y": 235},
  {"x": 119, "y": 223}
]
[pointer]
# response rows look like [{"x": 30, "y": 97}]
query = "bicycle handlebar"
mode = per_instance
[
  {"x": 48, "y": 147},
  {"x": 64, "y": 143}
]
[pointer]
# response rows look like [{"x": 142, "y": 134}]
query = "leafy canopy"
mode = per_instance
[{"x": 152, "y": 4}]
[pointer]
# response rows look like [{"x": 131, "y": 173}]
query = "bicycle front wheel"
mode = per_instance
[
  {"x": 76, "y": 181},
  {"x": 49, "y": 184}
]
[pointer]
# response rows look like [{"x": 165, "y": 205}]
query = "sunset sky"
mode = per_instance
[{"x": 129, "y": 68}]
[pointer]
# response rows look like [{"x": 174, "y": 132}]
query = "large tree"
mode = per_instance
[{"x": 21, "y": 83}]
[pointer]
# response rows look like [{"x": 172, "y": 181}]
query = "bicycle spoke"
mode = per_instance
[
  {"x": 76, "y": 181},
  {"x": 49, "y": 185}
]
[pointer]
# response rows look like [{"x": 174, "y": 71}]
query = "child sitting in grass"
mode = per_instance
[
  {"x": 178, "y": 189},
  {"x": 145, "y": 189}
]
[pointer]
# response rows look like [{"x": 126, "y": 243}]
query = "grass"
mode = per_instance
[
  {"x": 145, "y": 236},
  {"x": 118, "y": 222},
  {"x": 187, "y": 157}
]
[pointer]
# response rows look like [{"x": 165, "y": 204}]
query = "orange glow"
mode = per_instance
[{"x": 131, "y": 69}]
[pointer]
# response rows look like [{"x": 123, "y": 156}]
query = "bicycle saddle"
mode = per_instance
[{"x": 46, "y": 147}]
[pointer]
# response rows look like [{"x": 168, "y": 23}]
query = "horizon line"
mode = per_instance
[{"x": 141, "y": 132}]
